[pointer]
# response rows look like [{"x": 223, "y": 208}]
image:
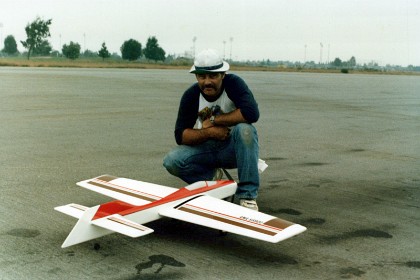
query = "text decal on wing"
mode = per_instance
[
  {"x": 251, "y": 220},
  {"x": 258, "y": 227}
]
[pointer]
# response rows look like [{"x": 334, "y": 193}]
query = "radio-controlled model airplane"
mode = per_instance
[{"x": 139, "y": 203}]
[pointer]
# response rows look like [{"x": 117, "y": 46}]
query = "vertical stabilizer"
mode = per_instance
[{"x": 84, "y": 230}]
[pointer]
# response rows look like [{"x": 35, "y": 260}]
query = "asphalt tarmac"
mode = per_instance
[{"x": 343, "y": 154}]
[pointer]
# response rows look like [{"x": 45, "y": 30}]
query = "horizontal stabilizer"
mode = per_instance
[
  {"x": 72, "y": 209},
  {"x": 222, "y": 215},
  {"x": 121, "y": 225}
]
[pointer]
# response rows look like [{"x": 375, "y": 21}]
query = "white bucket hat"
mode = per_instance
[{"x": 209, "y": 61}]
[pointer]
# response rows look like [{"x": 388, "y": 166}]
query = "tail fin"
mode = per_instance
[
  {"x": 84, "y": 230},
  {"x": 88, "y": 229}
]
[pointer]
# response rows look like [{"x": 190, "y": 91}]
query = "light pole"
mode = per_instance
[
  {"x": 193, "y": 48},
  {"x": 231, "y": 43},
  {"x": 320, "y": 53},
  {"x": 328, "y": 58}
]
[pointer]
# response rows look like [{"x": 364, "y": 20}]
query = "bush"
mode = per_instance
[{"x": 345, "y": 71}]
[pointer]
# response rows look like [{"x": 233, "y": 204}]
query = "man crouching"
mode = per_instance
[{"x": 214, "y": 129}]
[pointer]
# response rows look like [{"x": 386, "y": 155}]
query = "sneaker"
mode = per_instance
[
  {"x": 218, "y": 174},
  {"x": 249, "y": 203}
]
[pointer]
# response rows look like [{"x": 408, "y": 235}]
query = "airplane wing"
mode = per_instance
[
  {"x": 127, "y": 190},
  {"x": 222, "y": 215}
]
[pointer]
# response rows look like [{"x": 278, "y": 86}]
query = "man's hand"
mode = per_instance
[{"x": 207, "y": 123}]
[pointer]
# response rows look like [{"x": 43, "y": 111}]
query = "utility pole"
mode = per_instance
[{"x": 304, "y": 55}]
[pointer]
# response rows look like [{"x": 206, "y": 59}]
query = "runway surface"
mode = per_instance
[{"x": 343, "y": 154}]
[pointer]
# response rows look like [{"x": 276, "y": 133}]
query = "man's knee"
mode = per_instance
[
  {"x": 245, "y": 133},
  {"x": 169, "y": 162}
]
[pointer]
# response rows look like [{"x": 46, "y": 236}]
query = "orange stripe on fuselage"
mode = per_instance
[{"x": 111, "y": 208}]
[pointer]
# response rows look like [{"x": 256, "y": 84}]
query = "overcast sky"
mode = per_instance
[{"x": 383, "y": 31}]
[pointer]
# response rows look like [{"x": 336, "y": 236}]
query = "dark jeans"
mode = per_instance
[{"x": 199, "y": 162}]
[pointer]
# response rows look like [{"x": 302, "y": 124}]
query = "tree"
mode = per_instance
[
  {"x": 44, "y": 48},
  {"x": 89, "y": 53},
  {"x": 71, "y": 51},
  {"x": 103, "y": 52},
  {"x": 36, "y": 32},
  {"x": 10, "y": 46},
  {"x": 131, "y": 50},
  {"x": 153, "y": 51},
  {"x": 337, "y": 62},
  {"x": 352, "y": 61}
]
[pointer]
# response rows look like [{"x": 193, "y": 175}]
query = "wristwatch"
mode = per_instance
[{"x": 212, "y": 119}]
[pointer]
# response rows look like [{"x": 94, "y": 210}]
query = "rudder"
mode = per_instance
[{"x": 84, "y": 230}]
